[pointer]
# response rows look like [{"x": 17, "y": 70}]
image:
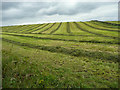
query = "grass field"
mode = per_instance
[{"x": 61, "y": 55}]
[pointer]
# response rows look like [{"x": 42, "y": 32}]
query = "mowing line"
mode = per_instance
[
  {"x": 100, "y": 28},
  {"x": 72, "y": 52},
  {"x": 40, "y": 28},
  {"x": 56, "y": 29},
  {"x": 68, "y": 27},
  {"x": 77, "y": 25},
  {"x": 57, "y": 39},
  {"x": 47, "y": 28}
]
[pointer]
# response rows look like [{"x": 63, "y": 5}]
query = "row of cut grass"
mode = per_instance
[
  {"x": 51, "y": 32},
  {"x": 104, "y": 24},
  {"x": 92, "y": 25},
  {"x": 45, "y": 29},
  {"x": 70, "y": 48},
  {"x": 88, "y": 29},
  {"x": 44, "y": 26},
  {"x": 89, "y": 39}
]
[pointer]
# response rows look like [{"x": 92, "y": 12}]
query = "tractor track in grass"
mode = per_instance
[
  {"x": 78, "y": 26},
  {"x": 47, "y": 28},
  {"x": 68, "y": 27},
  {"x": 40, "y": 28},
  {"x": 72, "y": 52},
  {"x": 100, "y": 28},
  {"x": 57, "y": 39},
  {"x": 56, "y": 28},
  {"x": 103, "y": 25}
]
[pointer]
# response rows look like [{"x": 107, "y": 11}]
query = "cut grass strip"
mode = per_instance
[
  {"x": 72, "y": 52},
  {"x": 10, "y": 28},
  {"x": 105, "y": 24},
  {"x": 56, "y": 29},
  {"x": 108, "y": 23},
  {"x": 62, "y": 29},
  {"x": 78, "y": 26},
  {"x": 58, "y": 39},
  {"x": 68, "y": 27},
  {"x": 27, "y": 27},
  {"x": 40, "y": 28},
  {"x": 47, "y": 28},
  {"x": 37, "y": 26},
  {"x": 30, "y": 28},
  {"x": 13, "y": 28},
  {"x": 100, "y": 28}
]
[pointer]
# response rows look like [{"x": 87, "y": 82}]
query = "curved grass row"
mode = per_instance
[
  {"x": 26, "y": 27},
  {"x": 109, "y": 48},
  {"x": 63, "y": 39},
  {"x": 114, "y": 22},
  {"x": 105, "y": 24},
  {"x": 92, "y": 32},
  {"x": 40, "y": 28},
  {"x": 11, "y": 28},
  {"x": 95, "y": 24},
  {"x": 100, "y": 28},
  {"x": 47, "y": 28},
  {"x": 29, "y": 29},
  {"x": 56, "y": 29},
  {"x": 34, "y": 28},
  {"x": 73, "y": 52}
]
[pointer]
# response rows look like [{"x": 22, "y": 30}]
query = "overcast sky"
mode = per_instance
[{"x": 14, "y": 13}]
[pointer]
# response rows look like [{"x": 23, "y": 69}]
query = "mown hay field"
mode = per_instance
[{"x": 61, "y": 55}]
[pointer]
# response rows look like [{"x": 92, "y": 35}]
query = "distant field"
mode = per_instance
[{"x": 61, "y": 55}]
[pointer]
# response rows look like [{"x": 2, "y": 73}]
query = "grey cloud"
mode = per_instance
[
  {"x": 80, "y": 7},
  {"x": 18, "y": 12},
  {"x": 9, "y": 5}
]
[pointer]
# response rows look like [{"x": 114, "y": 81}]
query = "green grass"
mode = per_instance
[
  {"x": 106, "y": 24},
  {"x": 38, "y": 68},
  {"x": 101, "y": 27},
  {"x": 67, "y": 55}
]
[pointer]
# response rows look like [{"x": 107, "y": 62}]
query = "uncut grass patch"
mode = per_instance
[{"x": 38, "y": 69}]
